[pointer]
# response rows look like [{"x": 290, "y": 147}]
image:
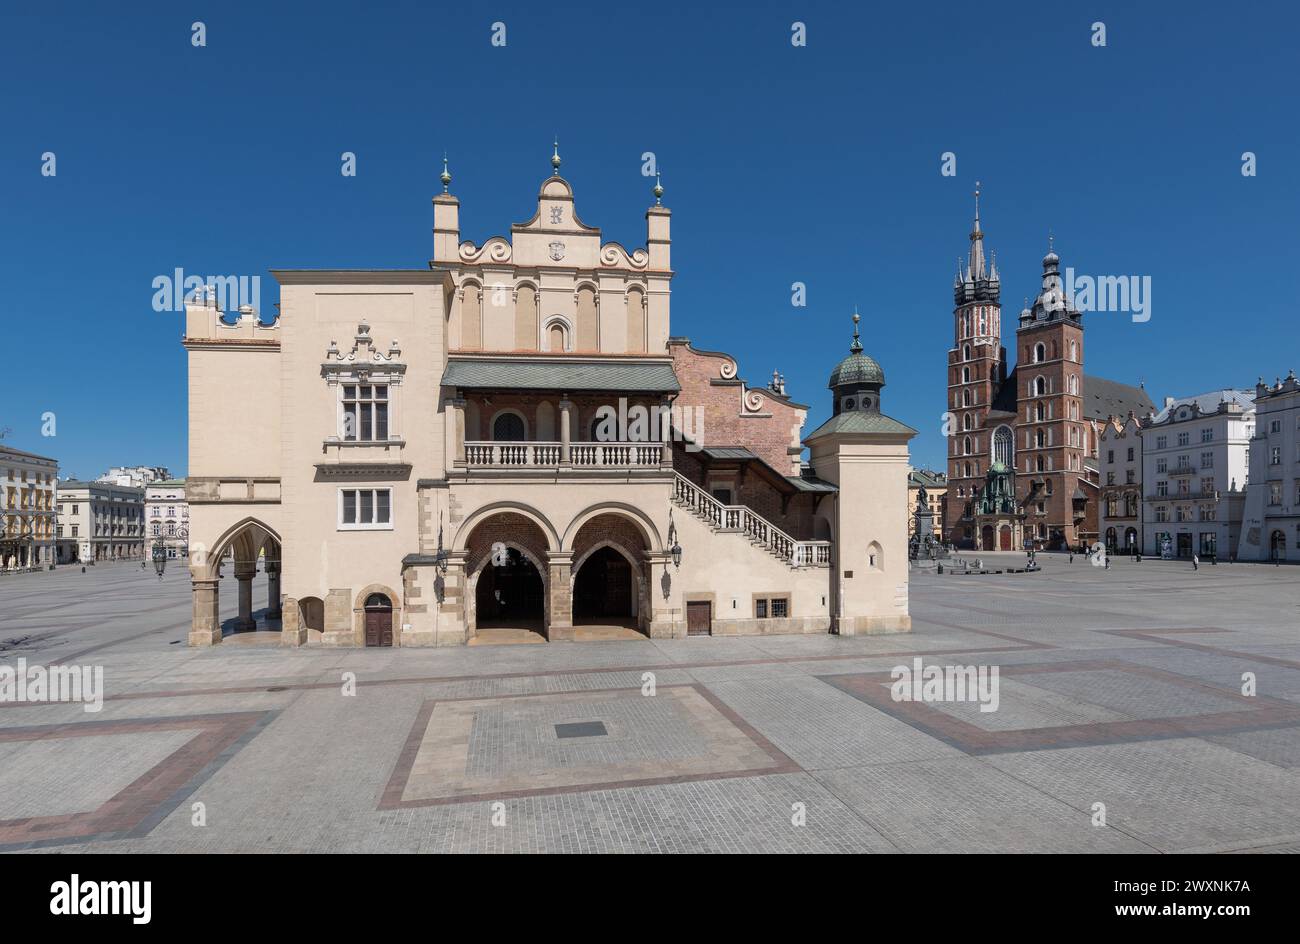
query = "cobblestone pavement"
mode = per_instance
[{"x": 1119, "y": 689}]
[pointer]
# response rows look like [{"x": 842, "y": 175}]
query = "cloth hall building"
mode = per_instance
[
  {"x": 1023, "y": 439},
  {"x": 512, "y": 440}
]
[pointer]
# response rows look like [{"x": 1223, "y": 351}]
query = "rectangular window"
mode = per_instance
[
  {"x": 365, "y": 413},
  {"x": 1162, "y": 441},
  {"x": 1207, "y": 460},
  {"x": 1275, "y": 456},
  {"x": 1183, "y": 438},
  {"x": 760, "y": 609},
  {"x": 1130, "y": 453},
  {"x": 1162, "y": 488},
  {"x": 1275, "y": 493},
  {"x": 365, "y": 508},
  {"x": 1207, "y": 435},
  {"x": 780, "y": 608},
  {"x": 1162, "y": 465}
]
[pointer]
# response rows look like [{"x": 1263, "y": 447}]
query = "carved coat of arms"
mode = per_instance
[{"x": 557, "y": 250}]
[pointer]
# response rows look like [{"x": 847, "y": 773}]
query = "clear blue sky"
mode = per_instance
[{"x": 817, "y": 164}]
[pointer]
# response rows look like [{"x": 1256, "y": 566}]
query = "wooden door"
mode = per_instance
[
  {"x": 699, "y": 618},
  {"x": 379, "y": 627}
]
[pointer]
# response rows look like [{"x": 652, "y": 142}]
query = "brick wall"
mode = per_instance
[{"x": 771, "y": 431}]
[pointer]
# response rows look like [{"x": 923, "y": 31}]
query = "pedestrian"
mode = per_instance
[
  {"x": 1071, "y": 557},
  {"x": 1108, "y": 562},
  {"x": 1196, "y": 562}
]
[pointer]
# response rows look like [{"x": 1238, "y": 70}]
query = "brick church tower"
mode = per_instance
[
  {"x": 976, "y": 371},
  {"x": 1051, "y": 435},
  {"x": 1022, "y": 441}
]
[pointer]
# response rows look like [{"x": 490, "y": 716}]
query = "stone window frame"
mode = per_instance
[
  {"x": 341, "y": 525},
  {"x": 767, "y": 598},
  {"x": 351, "y": 368}
]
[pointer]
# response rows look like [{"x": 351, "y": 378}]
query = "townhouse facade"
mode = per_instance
[
  {"x": 1271, "y": 521},
  {"x": 1120, "y": 468},
  {"x": 1194, "y": 474},
  {"x": 100, "y": 522},
  {"x": 28, "y": 528}
]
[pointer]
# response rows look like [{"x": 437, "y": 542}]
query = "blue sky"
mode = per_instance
[{"x": 818, "y": 164}]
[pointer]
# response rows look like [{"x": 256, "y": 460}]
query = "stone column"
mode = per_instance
[
  {"x": 292, "y": 631},
  {"x": 205, "y": 623},
  {"x": 667, "y": 616},
  {"x": 455, "y": 429},
  {"x": 559, "y": 596},
  {"x": 244, "y": 574},
  {"x": 273, "y": 590},
  {"x": 566, "y": 421},
  {"x": 452, "y": 628}
]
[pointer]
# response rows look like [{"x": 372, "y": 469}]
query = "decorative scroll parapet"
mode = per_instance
[
  {"x": 614, "y": 256},
  {"x": 496, "y": 249}
]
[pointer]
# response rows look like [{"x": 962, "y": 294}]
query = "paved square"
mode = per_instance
[
  {"x": 1126, "y": 688},
  {"x": 483, "y": 749}
]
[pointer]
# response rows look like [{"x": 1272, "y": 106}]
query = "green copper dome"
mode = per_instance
[{"x": 857, "y": 367}]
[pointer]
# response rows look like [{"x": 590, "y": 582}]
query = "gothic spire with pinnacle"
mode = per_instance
[{"x": 976, "y": 270}]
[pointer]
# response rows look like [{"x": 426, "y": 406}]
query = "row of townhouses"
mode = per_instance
[
  {"x": 48, "y": 520},
  {"x": 1216, "y": 475}
]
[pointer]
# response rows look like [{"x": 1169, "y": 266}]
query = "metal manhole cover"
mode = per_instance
[{"x": 581, "y": 729}]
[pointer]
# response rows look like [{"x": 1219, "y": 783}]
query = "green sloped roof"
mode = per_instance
[
  {"x": 860, "y": 421},
  {"x": 553, "y": 374}
]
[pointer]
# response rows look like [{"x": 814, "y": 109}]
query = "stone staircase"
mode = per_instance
[{"x": 742, "y": 520}]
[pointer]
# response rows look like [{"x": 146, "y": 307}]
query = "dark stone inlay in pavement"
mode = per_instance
[{"x": 581, "y": 729}]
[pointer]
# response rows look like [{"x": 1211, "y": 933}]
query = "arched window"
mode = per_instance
[
  {"x": 1040, "y": 352},
  {"x": 508, "y": 427},
  {"x": 965, "y": 398},
  {"x": 965, "y": 354},
  {"x": 965, "y": 375},
  {"x": 1074, "y": 351},
  {"x": 1038, "y": 463},
  {"x": 1040, "y": 438},
  {"x": 1040, "y": 411},
  {"x": 965, "y": 446},
  {"x": 965, "y": 421},
  {"x": 557, "y": 337},
  {"x": 1003, "y": 446},
  {"x": 1074, "y": 384},
  {"x": 1040, "y": 386}
]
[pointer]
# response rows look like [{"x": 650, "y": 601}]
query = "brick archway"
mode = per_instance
[
  {"x": 516, "y": 532},
  {"x": 616, "y": 532}
]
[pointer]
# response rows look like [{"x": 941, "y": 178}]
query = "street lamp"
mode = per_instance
[
  {"x": 159, "y": 557},
  {"x": 440, "y": 557},
  {"x": 674, "y": 548}
]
